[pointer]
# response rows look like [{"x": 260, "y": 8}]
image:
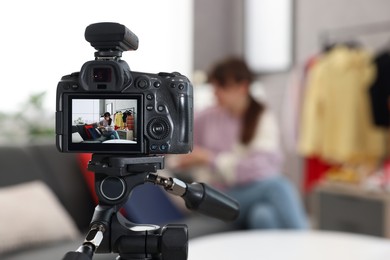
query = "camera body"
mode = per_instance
[{"x": 107, "y": 108}]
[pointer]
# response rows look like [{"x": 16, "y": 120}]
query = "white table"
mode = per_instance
[
  {"x": 289, "y": 245},
  {"x": 119, "y": 141}
]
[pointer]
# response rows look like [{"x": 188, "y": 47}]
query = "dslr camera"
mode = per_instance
[{"x": 107, "y": 108}]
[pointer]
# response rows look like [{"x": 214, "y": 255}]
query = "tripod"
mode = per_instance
[{"x": 110, "y": 232}]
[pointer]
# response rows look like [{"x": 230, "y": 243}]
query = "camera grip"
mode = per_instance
[{"x": 184, "y": 118}]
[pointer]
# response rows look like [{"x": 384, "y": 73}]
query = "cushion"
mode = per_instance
[
  {"x": 86, "y": 127},
  {"x": 82, "y": 131},
  {"x": 150, "y": 204},
  {"x": 62, "y": 174},
  {"x": 94, "y": 133},
  {"x": 76, "y": 138},
  {"x": 74, "y": 129},
  {"x": 31, "y": 216}
]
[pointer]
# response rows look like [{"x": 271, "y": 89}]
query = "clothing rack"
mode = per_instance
[
  {"x": 132, "y": 109},
  {"x": 345, "y": 33}
]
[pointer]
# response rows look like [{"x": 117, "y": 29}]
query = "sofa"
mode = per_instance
[
  {"x": 87, "y": 134},
  {"x": 47, "y": 204}
]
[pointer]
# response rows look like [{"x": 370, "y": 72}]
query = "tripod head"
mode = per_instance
[{"x": 115, "y": 177}]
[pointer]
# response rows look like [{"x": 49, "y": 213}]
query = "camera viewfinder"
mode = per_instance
[{"x": 102, "y": 75}]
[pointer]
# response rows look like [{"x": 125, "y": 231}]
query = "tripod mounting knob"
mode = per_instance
[
  {"x": 174, "y": 242},
  {"x": 167, "y": 243}
]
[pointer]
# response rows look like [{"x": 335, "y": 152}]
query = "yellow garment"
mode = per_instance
[
  {"x": 336, "y": 118},
  {"x": 119, "y": 120}
]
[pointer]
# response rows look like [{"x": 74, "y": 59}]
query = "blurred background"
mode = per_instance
[
  {"x": 276, "y": 38},
  {"x": 43, "y": 40}
]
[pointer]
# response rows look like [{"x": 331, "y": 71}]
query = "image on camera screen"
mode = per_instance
[{"x": 105, "y": 121}]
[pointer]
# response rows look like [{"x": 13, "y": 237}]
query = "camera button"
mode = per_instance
[
  {"x": 153, "y": 147},
  {"x": 181, "y": 86},
  {"x": 160, "y": 108},
  {"x": 157, "y": 84},
  {"x": 149, "y": 107},
  {"x": 164, "y": 147},
  {"x": 149, "y": 96},
  {"x": 142, "y": 83}
]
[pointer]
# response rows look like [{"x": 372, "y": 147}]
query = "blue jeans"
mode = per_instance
[
  {"x": 112, "y": 134},
  {"x": 272, "y": 203}
]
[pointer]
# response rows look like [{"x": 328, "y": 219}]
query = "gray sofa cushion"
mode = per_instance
[
  {"x": 18, "y": 165},
  {"x": 25, "y": 223},
  {"x": 62, "y": 173}
]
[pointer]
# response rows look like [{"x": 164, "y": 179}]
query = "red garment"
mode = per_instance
[
  {"x": 314, "y": 171},
  {"x": 130, "y": 122}
]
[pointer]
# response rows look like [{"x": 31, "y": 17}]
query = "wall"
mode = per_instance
[
  {"x": 44, "y": 40},
  {"x": 218, "y": 32}
]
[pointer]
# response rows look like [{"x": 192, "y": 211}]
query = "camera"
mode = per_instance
[{"x": 107, "y": 108}]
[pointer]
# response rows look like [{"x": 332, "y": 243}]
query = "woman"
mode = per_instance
[
  {"x": 237, "y": 141},
  {"x": 106, "y": 128}
]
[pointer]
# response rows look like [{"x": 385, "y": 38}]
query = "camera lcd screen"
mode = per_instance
[{"x": 107, "y": 124}]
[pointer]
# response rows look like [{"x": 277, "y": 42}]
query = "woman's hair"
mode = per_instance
[
  {"x": 109, "y": 115},
  {"x": 236, "y": 70}
]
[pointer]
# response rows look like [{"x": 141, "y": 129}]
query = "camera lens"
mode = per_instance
[{"x": 102, "y": 75}]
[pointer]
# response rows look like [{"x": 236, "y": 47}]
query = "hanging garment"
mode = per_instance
[
  {"x": 130, "y": 121},
  {"x": 336, "y": 118},
  {"x": 292, "y": 104},
  {"x": 118, "y": 121},
  {"x": 380, "y": 91}
]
